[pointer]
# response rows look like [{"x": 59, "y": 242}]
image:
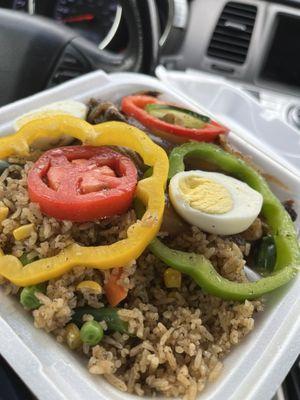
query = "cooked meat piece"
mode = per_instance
[
  {"x": 172, "y": 223},
  {"x": 101, "y": 111},
  {"x": 289, "y": 206},
  {"x": 254, "y": 232},
  {"x": 165, "y": 144}
]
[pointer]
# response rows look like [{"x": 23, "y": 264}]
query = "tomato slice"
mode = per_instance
[
  {"x": 134, "y": 106},
  {"x": 82, "y": 183}
]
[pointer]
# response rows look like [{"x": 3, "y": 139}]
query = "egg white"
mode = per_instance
[
  {"x": 247, "y": 204},
  {"x": 69, "y": 107},
  {"x": 64, "y": 107}
]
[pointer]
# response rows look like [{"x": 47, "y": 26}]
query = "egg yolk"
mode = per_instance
[{"x": 205, "y": 195}]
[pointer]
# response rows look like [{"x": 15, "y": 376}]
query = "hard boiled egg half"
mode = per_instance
[{"x": 214, "y": 202}]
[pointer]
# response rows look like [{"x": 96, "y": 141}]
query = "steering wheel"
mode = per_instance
[{"x": 36, "y": 53}]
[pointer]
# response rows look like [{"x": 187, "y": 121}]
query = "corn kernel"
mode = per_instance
[
  {"x": 3, "y": 213},
  {"x": 90, "y": 285},
  {"x": 172, "y": 278},
  {"x": 23, "y": 232},
  {"x": 73, "y": 336}
]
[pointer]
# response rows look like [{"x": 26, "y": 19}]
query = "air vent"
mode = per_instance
[{"x": 231, "y": 38}]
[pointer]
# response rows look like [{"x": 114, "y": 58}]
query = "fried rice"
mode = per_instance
[{"x": 177, "y": 338}]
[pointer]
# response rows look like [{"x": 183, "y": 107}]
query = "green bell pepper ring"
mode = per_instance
[
  {"x": 198, "y": 267},
  {"x": 201, "y": 270},
  {"x": 279, "y": 221}
]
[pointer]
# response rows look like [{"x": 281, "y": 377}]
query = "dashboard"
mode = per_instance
[
  {"x": 96, "y": 20},
  {"x": 254, "y": 42},
  {"x": 251, "y": 41},
  {"x": 102, "y": 22}
]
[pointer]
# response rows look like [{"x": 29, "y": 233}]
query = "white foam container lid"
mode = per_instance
[{"x": 256, "y": 367}]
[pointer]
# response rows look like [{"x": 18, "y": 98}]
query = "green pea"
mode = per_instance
[
  {"x": 25, "y": 260},
  {"x": 91, "y": 332},
  {"x": 3, "y": 166},
  {"x": 28, "y": 298}
]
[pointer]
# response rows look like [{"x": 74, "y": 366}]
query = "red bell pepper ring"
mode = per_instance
[
  {"x": 134, "y": 106},
  {"x": 82, "y": 183}
]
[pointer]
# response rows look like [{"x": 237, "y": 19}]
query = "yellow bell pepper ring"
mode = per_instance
[{"x": 149, "y": 190}]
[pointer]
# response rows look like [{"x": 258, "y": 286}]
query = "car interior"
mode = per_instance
[{"x": 252, "y": 44}]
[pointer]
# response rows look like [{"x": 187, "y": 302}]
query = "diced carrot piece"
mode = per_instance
[{"x": 115, "y": 292}]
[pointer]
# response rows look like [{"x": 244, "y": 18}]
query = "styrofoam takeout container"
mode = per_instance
[{"x": 252, "y": 371}]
